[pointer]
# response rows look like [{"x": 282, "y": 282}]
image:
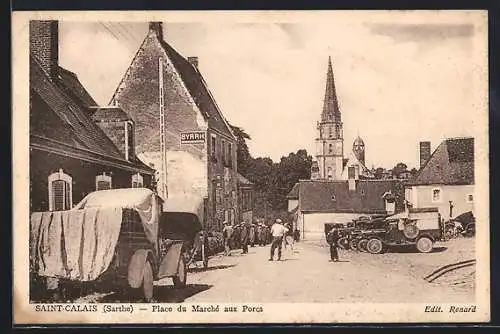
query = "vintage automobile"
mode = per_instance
[
  {"x": 416, "y": 227},
  {"x": 119, "y": 237}
]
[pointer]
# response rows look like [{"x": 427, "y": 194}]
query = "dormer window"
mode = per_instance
[
  {"x": 137, "y": 181},
  {"x": 60, "y": 191},
  {"x": 103, "y": 182}
]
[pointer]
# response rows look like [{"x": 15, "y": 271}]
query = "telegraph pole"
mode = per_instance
[{"x": 163, "y": 150}]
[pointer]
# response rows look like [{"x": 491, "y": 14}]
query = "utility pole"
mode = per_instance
[{"x": 163, "y": 150}]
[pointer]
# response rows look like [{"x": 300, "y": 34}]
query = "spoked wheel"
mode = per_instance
[
  {"x": 353, "y": 244},
  {"x": 181, "y": 277},
  {"x": 374, "y": 246},
  {"x": 343, "y": 243},
  {"x": 424, "y": 245},
  {"x": 362, "y": 245}
]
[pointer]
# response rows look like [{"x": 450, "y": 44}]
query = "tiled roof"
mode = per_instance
[
  {"x": 70, "y": 84},
  {"x": 62, "y": 120},
  {"x": 100, "y": 114},
  {"x": 294, "y": 193},
  {"x": 335, "y": 196},
  {"x": 198, "y": 89},
  {"x": 451, "y": 163}
]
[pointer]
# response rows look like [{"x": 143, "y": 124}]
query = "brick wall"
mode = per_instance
[
  {"x": 138, "y": 97},
  {"x": 116, "y": 132},
  {"x": 44, "y": 44}
]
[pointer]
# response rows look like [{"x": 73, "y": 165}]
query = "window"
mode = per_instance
[
  {"x": 130, "y": 140},
  {"x": 330, "y": 173},
  {"x": 230, "y": 155},
  {"x": 60, "y": 191},
  {"x": 213, "y": 152},
  {"x": 351, "y": 172},
  {"x": 330, "y": 148},
  {"x": 469, "y": 198},
  {"x": 137, "y": 181},
  {"x": 330, "y": 132},
  {"x": 223, "y": 151},
  {"x": 436, "y": 195},
  {"x": 333, "y": 197},
  {"x": 102, "y": 182}
]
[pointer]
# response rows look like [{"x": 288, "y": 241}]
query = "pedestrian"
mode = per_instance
[
  {"x": 288, "y": 240},
  {"x": 278, "y": 231},
  {"x": 252, "y": 234},
  {"x": 244, "y": 236},
  {"x": 332, "y": 239},
  {"x": 227, "y": 233}
]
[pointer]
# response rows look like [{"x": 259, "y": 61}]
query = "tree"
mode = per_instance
[
  {"x": 243, "y": 157},
  {"x": 398, "y": 169}
]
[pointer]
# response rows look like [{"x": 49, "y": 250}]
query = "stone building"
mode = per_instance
[
  {"x": 70, "y": 155},
  {"x": 199, "y": 146},
  {"x": 246, "y": 199}
]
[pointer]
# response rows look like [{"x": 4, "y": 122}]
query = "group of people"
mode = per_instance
[{"x": 243, "y": 235}]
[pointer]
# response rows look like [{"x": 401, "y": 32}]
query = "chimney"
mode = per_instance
[
  {"x": 157, "y": 28},
  {"x": 193, "y": 61},
  {"x": 44, "y": 45},
  {"x": 425, "y": 152},
  {"x": 351, "y": 178}
]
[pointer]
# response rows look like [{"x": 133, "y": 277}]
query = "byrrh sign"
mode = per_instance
[{"x": 192, "y": 137}]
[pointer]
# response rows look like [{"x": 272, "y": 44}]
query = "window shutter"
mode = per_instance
[{"x": 59, "y": 194}]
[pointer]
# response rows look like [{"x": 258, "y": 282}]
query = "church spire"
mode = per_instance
[{"x": 331, "y": 110}]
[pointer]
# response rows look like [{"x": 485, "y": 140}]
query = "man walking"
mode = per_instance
[
  {"x": 227, "y": 232},
  {"x": 332, "y": 239},
  {"x": 277, "y": 232},
  {"x": 244, "y": 236}
]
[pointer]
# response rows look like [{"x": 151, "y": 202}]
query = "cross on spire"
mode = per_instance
[{"x": 331, "y": 110}]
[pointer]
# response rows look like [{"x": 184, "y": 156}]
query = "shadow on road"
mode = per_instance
[
  {"x": 219, "y": 267},
  {"x": 169, "y": 294},
  {"x": 403, "y": 249}
]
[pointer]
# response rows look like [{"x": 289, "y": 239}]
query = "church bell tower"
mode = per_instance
[{"x": 330, "y": 141}]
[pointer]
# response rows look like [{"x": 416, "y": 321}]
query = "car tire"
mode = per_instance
[
  {"x": 424, "y": 245},
  {"x": 147, "y": 285},
  {"x": 362, "y": 245},
  {"x": 353, "y": 244},
  {"x": 374, "y": 246},
  {"x": 180, "y": 279},
  {"x": 343, "y": 243}
]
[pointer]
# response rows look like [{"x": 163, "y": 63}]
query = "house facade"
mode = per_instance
[
  {"x": 446, "y": 179},
  {"x": 70, "y": 155},
  {"x": 180, "y": 130},
  {"x": 245, "y": 199}
]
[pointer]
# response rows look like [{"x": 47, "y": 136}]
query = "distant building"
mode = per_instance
[
  {"x": 70, "y": 155},
  {"x": 446, "y": 180},
  {"x": 200, "y": 147},
  {"x": 323, "y": 201},
  {"x": 331, "y": 161}
]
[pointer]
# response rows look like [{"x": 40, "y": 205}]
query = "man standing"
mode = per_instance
[
  {"x": 244, "y": 237},
  {"x": 332, "y": 239},
  {"x": 227, "y": 232},
  {"x": 277, "y": 233}
]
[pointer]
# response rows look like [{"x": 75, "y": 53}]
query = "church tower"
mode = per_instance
[{"x": 330, "y": 141}]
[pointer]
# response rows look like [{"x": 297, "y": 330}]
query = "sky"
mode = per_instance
[{"x": 399, "y": 80}]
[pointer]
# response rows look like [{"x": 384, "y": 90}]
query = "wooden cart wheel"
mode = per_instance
[
  {"x": 181, "y": 277},
  {"x": 147, "y": 282},
  {"x": 374, "y": 246}
]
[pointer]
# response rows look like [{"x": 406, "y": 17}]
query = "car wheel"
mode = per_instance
[
  {"x": 374, "y": 246},
  {"x": 181, "y": 277},
  {"x": 343, "y": 243},
  {"x": 147, "y": 282},
  {"x": 424, "y": 245},
  {"x": 353, "y": 245},
  {"x": 362, "y": 245}
]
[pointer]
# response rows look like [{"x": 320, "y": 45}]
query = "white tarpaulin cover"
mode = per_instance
[
  {"x": 76, "y": 245},
  {"x": 79, "y": 244},
  {"x": 143, "y": 200}
]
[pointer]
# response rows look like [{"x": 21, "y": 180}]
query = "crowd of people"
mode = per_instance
[{"x": 244, "y": 235}]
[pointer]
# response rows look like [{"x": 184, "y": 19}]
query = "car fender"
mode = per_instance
[
  {"x": 170, "y": 262},
  {"x": 136, "y": 267},
  {"x": 427, "y": 235}
]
